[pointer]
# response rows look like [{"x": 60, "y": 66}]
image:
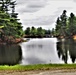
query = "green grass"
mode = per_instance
[{"x": 38, "y": 67}]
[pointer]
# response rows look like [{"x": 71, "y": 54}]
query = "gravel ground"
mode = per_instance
[{"x": 47, "y": 72}]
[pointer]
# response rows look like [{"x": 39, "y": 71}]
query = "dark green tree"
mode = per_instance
[
  {"x": 40, "y": 31},
  {"x": 63, "y": 18},
  {"x": 33, "y": 31},
  {"x": 27, "y": 31},
  {"x": 58, "y": 27},
  {"x": 11, "y": 25},
  {"x": 72, "y": 24},
  {"x": 47, "y": 32},
  {"x": 61, "y": 24},
  {"x": 5, "y": 5}
]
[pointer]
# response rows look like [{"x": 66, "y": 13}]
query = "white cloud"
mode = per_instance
[
  {"x": 45, "y": 20},
  {"x": 30, "y": 6}
]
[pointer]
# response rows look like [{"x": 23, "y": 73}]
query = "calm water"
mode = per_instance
[{"x": 39, "y": 51}]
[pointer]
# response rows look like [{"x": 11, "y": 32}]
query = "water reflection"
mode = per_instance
[
  {"x": 10, "y": 54},
  {"x": 40, "y": 51},
  {"x": 72, "y": 50},
  {"x": 66, "y": 48}
]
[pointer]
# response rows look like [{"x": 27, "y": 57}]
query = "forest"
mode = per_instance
[{"x": 10, "y": 27}]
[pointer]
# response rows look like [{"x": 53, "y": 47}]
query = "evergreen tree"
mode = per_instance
[
  {"x": 9, "y": 23},
  {"x": 61, "y": 24},
  {"x": 33, "y": 31},
  {"x": 72, "y": 24},
  {"x": 40, "y": 31},
  {"x": 27, "y": 31},
  {"x": 58, "y": 27}
]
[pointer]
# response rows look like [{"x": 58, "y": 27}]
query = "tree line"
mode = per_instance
[
  {"x": 37, "y": 32},
  {"x": 65, "y": 26}
]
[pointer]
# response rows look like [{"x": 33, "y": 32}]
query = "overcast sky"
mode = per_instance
[{"x": 43, "y": 13}]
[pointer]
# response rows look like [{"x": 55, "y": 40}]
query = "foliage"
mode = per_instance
[
  {"x": 66, "y": 26},
  {"x": 37, "y": 31},
  {"x": 8, "y": 21},
  {"x": 27, "y": 31},
  {"x": 40, "y": 31},
  {"x": 61, "y": 24},
  {"x": 33, "y": 31},
  {"x": 72, "y": 24}
]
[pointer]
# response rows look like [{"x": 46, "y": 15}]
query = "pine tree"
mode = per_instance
[
  {"x": 61, "y": 24},
  {"x": 9, "y": 22},
  {"x": 72, "y": 24}
]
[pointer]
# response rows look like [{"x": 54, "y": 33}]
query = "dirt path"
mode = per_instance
[{"x": 48, "y": 72}]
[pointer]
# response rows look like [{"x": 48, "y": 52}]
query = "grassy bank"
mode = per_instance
[{"x": 38, "y": 67}]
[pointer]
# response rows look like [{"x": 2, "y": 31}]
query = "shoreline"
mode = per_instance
[{"x": 11, "y": 41}]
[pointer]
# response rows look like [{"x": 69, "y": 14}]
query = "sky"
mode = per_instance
[{"x": 43, "y": 13}]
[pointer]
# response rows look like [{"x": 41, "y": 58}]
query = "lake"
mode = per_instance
[
  {"x": 44, "y": 51},
  {"x": 39, "y": 51}
]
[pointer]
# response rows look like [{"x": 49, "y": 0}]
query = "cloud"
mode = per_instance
[
  {"x": 60, "y": 10},
  {"x": 28, "y": 10},
  {"x": 64, "y": 8},
  {"x": 36, "y": 5},
  {"x": 44, "y": 20},
  {"x": 30, "y": 6},
  {"x": 74, "y": 0}
]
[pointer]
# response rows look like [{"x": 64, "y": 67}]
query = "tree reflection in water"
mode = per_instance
[
  {"x": 65, "y": 46},
  {"x": 72, "y": 49},
  {"x": 10, "y": 54}
]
